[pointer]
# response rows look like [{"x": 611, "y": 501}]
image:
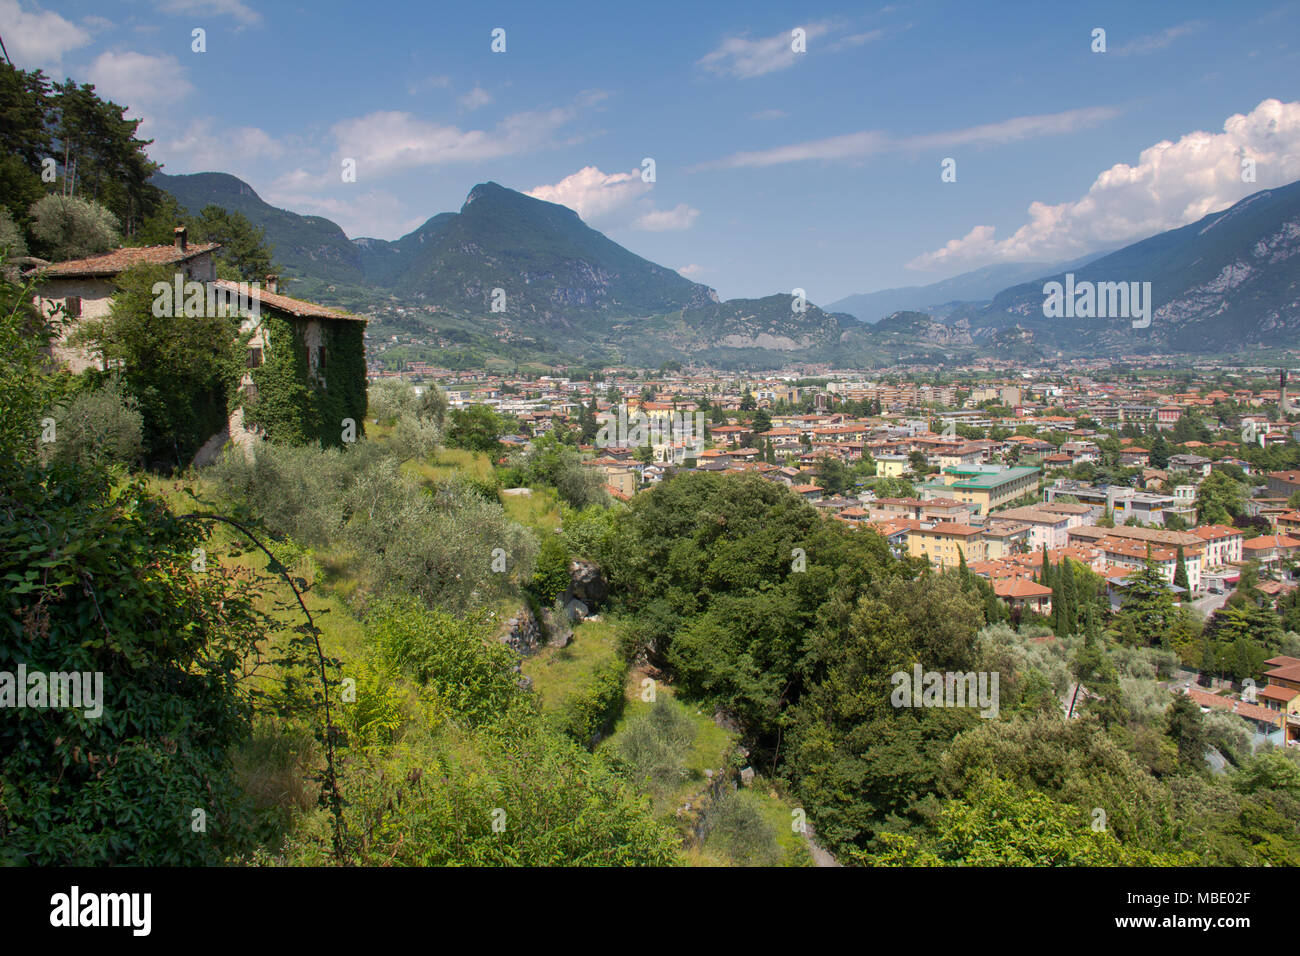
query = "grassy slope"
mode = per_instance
[
  {"x": 277, "y": 761},
  {"x": 559, "y": 673}
]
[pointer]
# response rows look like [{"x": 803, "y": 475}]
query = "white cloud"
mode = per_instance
[
  {"x": 38, "y": 39},
  {"x": 374, "y": 212},
  {"x": 437, "y": 81},
  {"x": 744, "y": 58},
  {"x": 871, "y": 142},
  {"x": 390, "y": 140},
  {"x": 245, "y": 14},
  {"x": 848, "y": 146},
  {"x": 203, "y": 147},
  {"x": 297, "y": 180},
  {"x": 139, "y": 81},
  {"x": 856, "y": 39},
  {"x": 1171, "y": 185},
  {"x": 691, "y": 271},
  {"x": 679, "y": 217},
  {"x": 595, "y": 195},
  {"x": 613, "y": 199},
  {"x": 1158, "y": 41},
  {"x": 475, "y": 98}
]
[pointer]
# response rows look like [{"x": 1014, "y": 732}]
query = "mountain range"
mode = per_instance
[
  {"x": 942, "y": 298},
  {"x": 516, "y": 277}
]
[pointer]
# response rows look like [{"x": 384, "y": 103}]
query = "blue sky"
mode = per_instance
[{"x": 773, "y": 169}]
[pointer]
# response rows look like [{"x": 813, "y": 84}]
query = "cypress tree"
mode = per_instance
[
  {"x": 1058, "y": 599},
  {"x": 1068, "y": 597},
  {"x": 1180, "y": 572}
]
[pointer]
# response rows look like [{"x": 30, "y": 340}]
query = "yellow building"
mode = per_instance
[
  {"x": 984, "y": 487},
  {"x": 946, "y": 542},
  {"x": 891, "y": 466}
]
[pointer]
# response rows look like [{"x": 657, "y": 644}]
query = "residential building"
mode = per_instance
[
  {"x": 1222, "y": 544},
  {"x": 945, "y": 543}
]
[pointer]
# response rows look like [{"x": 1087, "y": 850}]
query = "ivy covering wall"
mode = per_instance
[{"x": 292, "y": 407}]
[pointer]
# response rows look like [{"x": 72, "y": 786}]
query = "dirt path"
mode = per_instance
[{"x": 821, "y": 856}]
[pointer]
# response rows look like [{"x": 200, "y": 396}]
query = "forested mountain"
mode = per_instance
[
  {"x": 308, "y": 246},
  {"x": 1219, "y": 284}
]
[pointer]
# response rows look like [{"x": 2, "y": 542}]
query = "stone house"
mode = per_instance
[
  {"x": 323, "y": 348},
  {"x": 82, "y": 289}
]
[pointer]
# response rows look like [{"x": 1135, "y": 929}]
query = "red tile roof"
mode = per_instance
[
  {"x": 1266, "y": 541},
  {"x": 1239, "y": 707},
  {"x": 111, "y": 263},
  {"x": 291, "y": 306},
  {"x": 1020, "y": 588},
  {"x": 1278, "y": 693},
  {"x": 953, "y": 528},
  {"x": 1289, "y": 672}
]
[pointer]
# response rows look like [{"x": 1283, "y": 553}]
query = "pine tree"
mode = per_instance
[
  {"x": 1148, "y": 611},
  {"x": 1159, "y": 456},
  {"x": 1045, "y": 574}
]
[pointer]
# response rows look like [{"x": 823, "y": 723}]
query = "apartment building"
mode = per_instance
[
  {"x": 1046, "y": 529},
  {"x": 1127, "y": 547},
  {"x": 945, "y": 543},
  {"x": 1005, "y": 538},
  {"x": 984, "y": 487},
  {"x": 1281, "y": 693},
  {"x": 1222, "y": 544}
]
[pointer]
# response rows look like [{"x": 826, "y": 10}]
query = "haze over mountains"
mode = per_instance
[
  {"x": 941, "y": 298},
  {"x": 1225, "y": 283}
]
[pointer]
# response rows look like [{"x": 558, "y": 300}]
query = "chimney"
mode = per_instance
[
  {"x": 179, "y": 233},
  {"x": 271, "y": 281}
]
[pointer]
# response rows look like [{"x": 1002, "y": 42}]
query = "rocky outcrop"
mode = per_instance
[
  {"x": 522, "y": 633},
  {"x": 587, "y": 585}
]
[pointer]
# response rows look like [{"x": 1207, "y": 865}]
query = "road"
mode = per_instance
[{"x": 1207, "y": 605}]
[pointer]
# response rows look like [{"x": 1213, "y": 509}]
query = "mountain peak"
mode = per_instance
[
  {"x": 492, "y": 195},
  {"x": 483, "y": 190}
]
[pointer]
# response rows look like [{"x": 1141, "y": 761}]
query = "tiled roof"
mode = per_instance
[
  {"x": 1278, "y": 693},
  {"x": 1289, "y": 672},
  {"x": 1266, "y": 541},
  {"x": 1239, "y": 707},
  {"x": 953, "y": 528},
  {"x": 1020, "y": 588},
  {"x": 291, "y": 306},
  {"x": 119, "y": 260}
]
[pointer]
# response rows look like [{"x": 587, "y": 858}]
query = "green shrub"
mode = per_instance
[
  {"x": 598, "y": 705},
  {"x": 654, "y": 745},
  {"x": 67, "y": 227},
  {"x": 475, "y": 677},
  {"x": 100, "y": 424},
  {"x": 737, "y": 829},
  {"x": 551, "y": 572},
  {"x": 435, "y": 543}
]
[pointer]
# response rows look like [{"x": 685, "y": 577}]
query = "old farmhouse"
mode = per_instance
[{"x": 305, "y": 376}]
